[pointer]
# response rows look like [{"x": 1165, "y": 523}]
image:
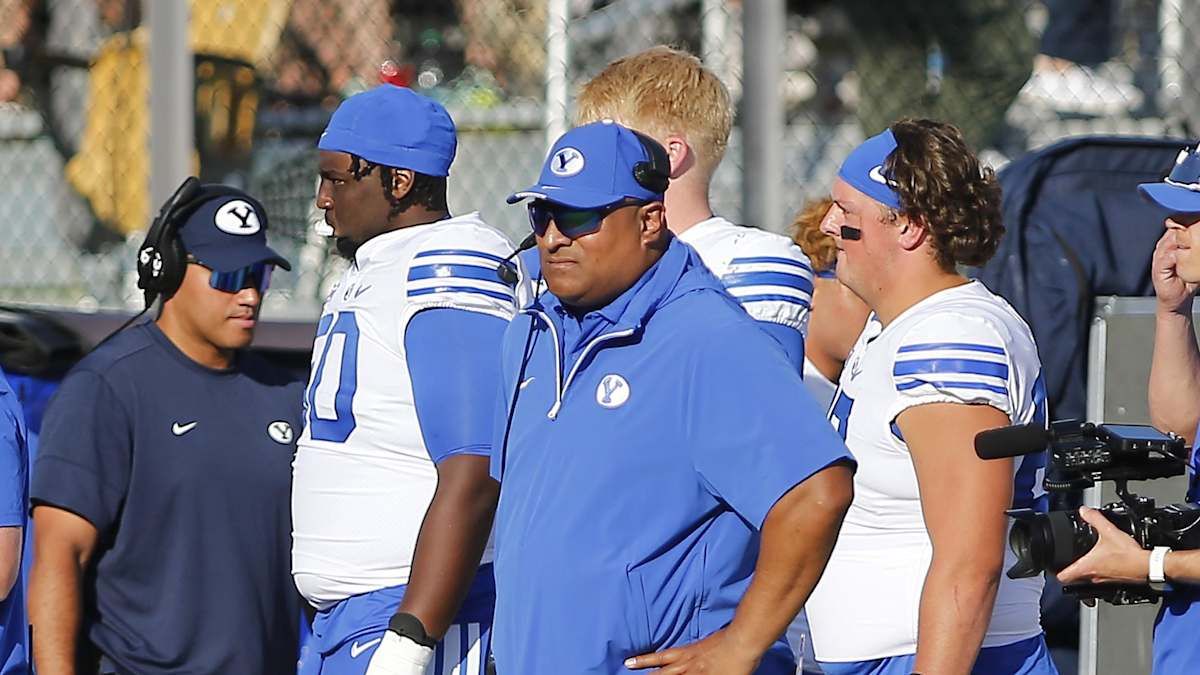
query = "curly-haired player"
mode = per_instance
[{"x": 915, "y": 584}]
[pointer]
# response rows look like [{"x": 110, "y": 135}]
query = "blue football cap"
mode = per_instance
[
  {"x": 864, "y": 170},
  {"x": 229, "y": 233},
  {"x": 393, "y": 126},
  {"x": 593, "y": 166},
  {"x": 1179, "y": 192}
]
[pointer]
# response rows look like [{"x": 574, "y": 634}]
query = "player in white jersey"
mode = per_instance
[
  {"x": 670, "y": 96},
  {"x": 915, "y": 581},
  {"x": 392, "y": 502}
]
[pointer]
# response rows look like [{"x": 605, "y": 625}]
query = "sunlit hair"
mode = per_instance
[
  {"x": 806, "y": 232},
  {"x": 663, "y": 91},
  {"x": 944, "y": 188}
]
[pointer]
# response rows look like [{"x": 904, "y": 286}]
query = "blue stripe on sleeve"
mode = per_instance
[
  {"x": 460, "y": 252},
  {"x": 959, "y": 346},
  {"x": 507, "y": 297},
  {"x": 771, "y": 297},
  {"x": 449, "y": 271},
  {"x": 948, "y": 384},
  {"x": 785, "y": 279},
  {"x": 966, "y": 366},
  {"x": 771, "y": 260}
]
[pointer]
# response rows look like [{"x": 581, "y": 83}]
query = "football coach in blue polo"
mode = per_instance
[{"x": 653, "y": 512}]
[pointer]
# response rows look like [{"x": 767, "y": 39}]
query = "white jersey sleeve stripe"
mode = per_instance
[
  {"x": 506, "y": 296},
  {"x": 460, "y": 252},
  {"x": 955, "y": 346},
  {"x": 773, "y": 279},
  {"x": 769, "y": 259},
  {"x": 949, "y": 384},
  {"x": 945, "y": 365}
]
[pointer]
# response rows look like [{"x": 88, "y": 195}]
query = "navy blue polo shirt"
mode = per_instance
[
  {"x": 650, "y": 440},
  {"x": 185, "y": 472}
]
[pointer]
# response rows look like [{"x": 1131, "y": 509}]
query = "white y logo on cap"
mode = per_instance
[
  {"x": 237, "y": 217},
  {"x": 566, "y": 162}
]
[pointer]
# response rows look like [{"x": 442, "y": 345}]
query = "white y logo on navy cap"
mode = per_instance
[
  {"x": 566, "y": 162},
  {"x": 237, "y": 217}
]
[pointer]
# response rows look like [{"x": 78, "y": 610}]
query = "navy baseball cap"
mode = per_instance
[
  {"x": 593, "y": 166},
  {"x": 394, "y": 126},
  {"x": 229, "y": 233},
  {"x": 863, "y": 169},
  {"x": 1179, "y": 192}
]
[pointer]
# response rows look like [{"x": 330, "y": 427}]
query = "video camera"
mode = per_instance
[{"x": 1082, "y": 453}]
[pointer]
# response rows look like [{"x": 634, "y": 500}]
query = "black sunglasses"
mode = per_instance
[{"x": 571, "y": 222}]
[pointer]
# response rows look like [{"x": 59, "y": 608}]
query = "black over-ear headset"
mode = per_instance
[
  {"x": 161, "y": 260},
  {"x": 653, "y": 174}
]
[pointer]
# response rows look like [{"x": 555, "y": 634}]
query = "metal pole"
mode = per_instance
[
  {"x": 762, "y": 113},
  {"x": 172, "y": 97},
  {"x": 558, "y": 58},
  {"x": 714, "y": 23}
]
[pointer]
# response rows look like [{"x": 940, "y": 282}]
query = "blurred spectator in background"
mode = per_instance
[
  {"x": 1067, "y": 73},
  {"x": 838, "y": 315},
  {"x": 960, "y": 62},
  {"x": 507, "y": 38},
  {"x": 345, "y": 42}
]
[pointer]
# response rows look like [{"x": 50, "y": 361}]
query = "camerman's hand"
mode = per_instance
[
  {"x": 1116, "y": 557},
  {"x": 1174, "y": 294}
]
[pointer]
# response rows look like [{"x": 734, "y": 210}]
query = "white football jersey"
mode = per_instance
[
  {"x": 767, "y": 273},
  {"x": 363, "y": 478},
  {"x": 961, "y": 345}
]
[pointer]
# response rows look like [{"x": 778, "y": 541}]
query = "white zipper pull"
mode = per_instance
[{"x": 553, "y": 414}]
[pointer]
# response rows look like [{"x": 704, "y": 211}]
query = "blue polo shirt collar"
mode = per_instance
[{"x": 634, "y": 307}]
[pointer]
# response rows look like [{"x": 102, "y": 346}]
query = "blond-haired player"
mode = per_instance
[{"x": 669, "y": 94}]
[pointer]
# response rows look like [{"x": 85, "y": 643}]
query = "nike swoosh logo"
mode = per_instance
[
  {"x": 181, "y": 429},
  {"x": 876, "y": 174},
  {"x": 356, "y": 649},
  {"x": 362, "y": 289},
  {"x": 526, "y": 383}
]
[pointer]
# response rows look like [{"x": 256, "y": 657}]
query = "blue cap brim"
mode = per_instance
[
  {"x": 573, "y": 198},
  {"x": 233, "y": 258},
  {"x": 1171, "y": 197}
]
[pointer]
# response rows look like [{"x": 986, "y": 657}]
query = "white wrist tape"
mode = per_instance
[{"x": 1158, "y": 558}]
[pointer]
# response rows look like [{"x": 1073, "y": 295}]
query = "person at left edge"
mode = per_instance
[
  {"x": 392, "y": 500},
  {"x": 14, "y": 492},
  {"x": 653, "y": 511},
  {"x": 160, "y": 489}
]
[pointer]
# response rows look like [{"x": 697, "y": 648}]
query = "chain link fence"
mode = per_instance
[{"x": 74, "y": 79}]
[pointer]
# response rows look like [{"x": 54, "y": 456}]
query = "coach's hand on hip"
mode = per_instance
[{"x": 722, "y": 652}]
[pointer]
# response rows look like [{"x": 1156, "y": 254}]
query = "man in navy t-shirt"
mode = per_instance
[
  {"x": 161, "y": 488},
  {"x": 14, "y": 491}
]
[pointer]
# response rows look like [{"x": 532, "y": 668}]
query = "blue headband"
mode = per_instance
[{"x": 863, "y": 169}]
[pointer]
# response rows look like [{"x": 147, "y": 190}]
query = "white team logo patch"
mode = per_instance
[
  {"x": 613, "y": 391},
  {"x": 566, "y": 162},
  {"x": 280, "y": 432},
  {"x": 237, "y": 217}
]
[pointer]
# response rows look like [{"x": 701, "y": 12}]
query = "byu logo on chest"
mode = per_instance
[
  {"x": 567, "y": 162},
  {"x": 280, "y": 432},
  {"x": 237, "y": 217},
  {"x": 613, "y": 391}
]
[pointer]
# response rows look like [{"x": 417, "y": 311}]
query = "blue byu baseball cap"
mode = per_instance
[
  {"x": 599, "y": 164},
  {"x": 1179, "y": 192},
  {"x": 229, "y": 233},
  {"x": 863, "y": 169},
  {"x": 393, "y": 126}
]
